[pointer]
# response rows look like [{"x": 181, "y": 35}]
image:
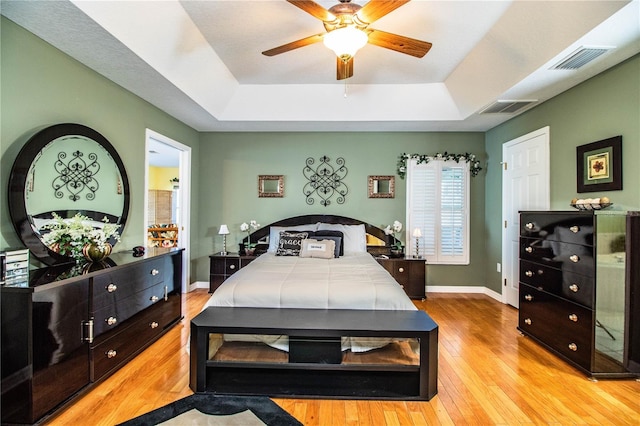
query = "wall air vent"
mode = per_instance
[
  {"x": 507, "y": 107},
  {"x": 580, "y": 57}
]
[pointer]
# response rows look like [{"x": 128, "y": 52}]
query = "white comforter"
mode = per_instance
[{"x": 354, "y": 281}]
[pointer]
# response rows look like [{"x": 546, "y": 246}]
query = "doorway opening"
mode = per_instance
[{"x": 167, "y": 196}]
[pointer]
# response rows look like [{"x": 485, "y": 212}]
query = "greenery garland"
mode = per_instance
[{"x": 474, "y": 165}]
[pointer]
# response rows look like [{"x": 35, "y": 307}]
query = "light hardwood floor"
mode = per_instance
[{"x": 488, "y": 375}]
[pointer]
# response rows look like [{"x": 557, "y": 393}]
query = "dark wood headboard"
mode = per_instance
[{"x": 324, "y": 218}]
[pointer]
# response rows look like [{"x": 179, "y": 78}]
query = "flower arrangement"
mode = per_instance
[
  {"x": 248, "y": 227},
  {"x": 69, "y": 236},
  {"x": 394, "y": 229},
  {"x": 474, "y": 165}
]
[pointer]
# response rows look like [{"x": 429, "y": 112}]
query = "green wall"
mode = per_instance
[
  {"x": 41, "y": 86},
  {"x": 229, "y": 182},
  {"x": 604, "y": 106}
]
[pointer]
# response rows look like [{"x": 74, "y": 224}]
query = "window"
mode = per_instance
[{"x": 438, "y": 204}]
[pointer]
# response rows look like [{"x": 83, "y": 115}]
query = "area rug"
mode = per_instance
[{"x": 217, "y": 410}]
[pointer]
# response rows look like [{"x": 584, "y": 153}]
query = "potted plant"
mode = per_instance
[
  {"x": 249, "y": 247},
  {"x": 397, "y": 250}
]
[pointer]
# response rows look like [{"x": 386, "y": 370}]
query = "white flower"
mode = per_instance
[
  {"x": 244, "y": 227},
  {"x": 397, "y": 226},
  {"x": 388, "y": 230}
]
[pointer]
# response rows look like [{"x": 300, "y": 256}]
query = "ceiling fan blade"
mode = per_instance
[
  {"x": 402, "y": 44},
  {"x": 314, "y": 9},
  {"x": 376, "y": 9},
  {"x": 344, "y": 69},
  {"x": 294, "y": 45}
]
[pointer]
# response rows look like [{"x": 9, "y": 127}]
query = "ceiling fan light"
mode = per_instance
[{"x": 346, "y": 41}]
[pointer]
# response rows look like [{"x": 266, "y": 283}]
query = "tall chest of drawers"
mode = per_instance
[{"x": 573, "y": 287}]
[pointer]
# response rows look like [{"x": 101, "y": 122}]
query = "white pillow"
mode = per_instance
[
  {"x": 323, "y": 249},
  {"x": 274, "y": 234},
  {"x": 355, "y": 236}
]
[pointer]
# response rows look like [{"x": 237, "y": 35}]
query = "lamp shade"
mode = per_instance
[
  {"x": 346, "y": 41},
  {"x": 417, "y": 233},
  {"x": 223, "y": 230}
]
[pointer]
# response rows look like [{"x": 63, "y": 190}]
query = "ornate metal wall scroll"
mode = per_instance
[
  {"x": 76, "y": 175},
  {"x": 325, "y": 180}
]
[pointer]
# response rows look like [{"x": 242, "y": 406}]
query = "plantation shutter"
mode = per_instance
[{"x": 437, "y": 203}]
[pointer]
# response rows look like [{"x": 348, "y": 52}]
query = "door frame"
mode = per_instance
[
  {"x": 545, "y": 131},
  {"x": 184, "y": 175}
]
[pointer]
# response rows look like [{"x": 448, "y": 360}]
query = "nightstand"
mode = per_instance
[
  {"x": 222, "y": 266},
  {"x": 410, "y": 274}
]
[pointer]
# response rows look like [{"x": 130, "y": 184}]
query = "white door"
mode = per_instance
[{"x": 525, "y": 186}]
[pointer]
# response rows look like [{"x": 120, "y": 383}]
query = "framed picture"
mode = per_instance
[{"x": 600, "y": 165}]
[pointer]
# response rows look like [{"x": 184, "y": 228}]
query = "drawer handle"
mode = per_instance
[
  {"x": 153, "y": 324},
  {"x": 111, "y": 288},
  {"x": 111, "y": 353},
  {"x": 154, "y": 299},
  {"x": 400, "y": 269},
  {"x": 573, "y": 317},
  {"x": 574, "y": 229},
  {"x": 529, "y": 226},
  {"x": 574, "y": 288},
  {"x": 529, "y": 273},
  {"x": 574, "y": 258},
  {"x": 573, "y": 347},
  {"x": 527, "y": 321},
  {"x": 528, "y": 298},
  {"x": 111, "y": 320},
  {"x": 154, "y": 272},
  {"x": 529, "y": 249},
  {"x": 232, "y": 266}
]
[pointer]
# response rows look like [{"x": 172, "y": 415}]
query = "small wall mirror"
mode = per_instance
[
  {"x": 271, "y": 186},
  {"x": 382, "y": 186}
]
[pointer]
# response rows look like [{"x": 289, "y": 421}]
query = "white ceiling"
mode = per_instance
[{"x": 201, "y": 61}]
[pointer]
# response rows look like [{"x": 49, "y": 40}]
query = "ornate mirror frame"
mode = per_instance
[
  {"x": 382, "y": 186},
  {"x": 20, "y": 182},
  {"x": 271, "y": 186}
]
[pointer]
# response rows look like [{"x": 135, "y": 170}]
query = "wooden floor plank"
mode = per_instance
[{"x": 488, "y": 374}]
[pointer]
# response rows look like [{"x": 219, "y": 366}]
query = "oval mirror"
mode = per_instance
[{"x": 65, "y": 169}]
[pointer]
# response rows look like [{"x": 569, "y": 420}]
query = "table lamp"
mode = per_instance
[
  {"x": 417, "y": 233},
  {"x": 224, "y": 231}
]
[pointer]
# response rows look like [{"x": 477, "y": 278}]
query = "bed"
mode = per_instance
[{"x": 283, "y": 278}]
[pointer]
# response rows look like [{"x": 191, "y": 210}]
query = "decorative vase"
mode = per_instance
[
  {"x": 93, "y": 253},
  {"x": 249, "y": 251}
]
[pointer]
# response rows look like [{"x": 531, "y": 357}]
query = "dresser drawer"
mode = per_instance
[
  {"x": 120, "y": 284},
  {"x": 570, "y": 227},
  {"x": 225, "y": 265},
  {"x": 111, "y": 316},
  {"x": 564, "y": 326},
  {"x": 118, "y": 347}
]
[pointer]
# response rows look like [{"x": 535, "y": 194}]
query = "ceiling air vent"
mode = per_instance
[
  {"x": 506, "y": 107},
  {"x": 580, "y": 57}
]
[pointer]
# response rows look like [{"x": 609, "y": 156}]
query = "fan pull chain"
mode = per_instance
[{"x": 345, "y": 79}]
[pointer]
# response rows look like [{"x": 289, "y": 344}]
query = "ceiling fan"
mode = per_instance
[{"x": 347, "y": 29}]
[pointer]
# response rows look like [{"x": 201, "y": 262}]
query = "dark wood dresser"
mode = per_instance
[
  {"x": 410, "y": 274},
  {"x": 69, "y": 327},
  {"x": 573, "y": 287}
]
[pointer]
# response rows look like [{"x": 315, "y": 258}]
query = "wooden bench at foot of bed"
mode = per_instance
[{"x": 315, "y": 379}]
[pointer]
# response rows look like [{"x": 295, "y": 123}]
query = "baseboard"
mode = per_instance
[
  {"x": 198, "y": 284},
  {"x": 464, "y": 289}
]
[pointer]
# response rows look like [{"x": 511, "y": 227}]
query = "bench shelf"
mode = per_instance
[{"x": 386, "y": 381}]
